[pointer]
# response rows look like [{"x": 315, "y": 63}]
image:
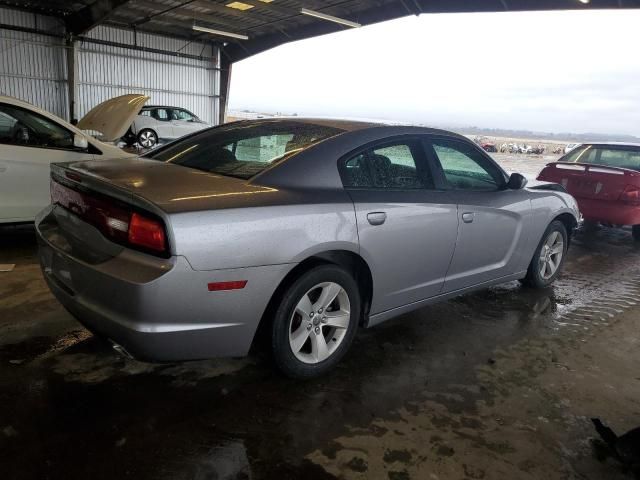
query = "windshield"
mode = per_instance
[
  {"x": 610, "y": 156},
  {"x": 243, "y": 150}
]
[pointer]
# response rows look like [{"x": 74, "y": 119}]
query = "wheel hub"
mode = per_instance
[{"x": 319, "y": 322}]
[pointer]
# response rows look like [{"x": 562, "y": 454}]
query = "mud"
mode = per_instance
[{"x": 496, "y": 385}]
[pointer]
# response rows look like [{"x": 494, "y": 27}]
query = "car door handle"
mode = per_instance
[
  {"x": 467, "y": 217},
  {"x": 376, "y": 218}
]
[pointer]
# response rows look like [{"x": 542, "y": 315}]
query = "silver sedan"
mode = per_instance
[{"x": 298, "y": 230}]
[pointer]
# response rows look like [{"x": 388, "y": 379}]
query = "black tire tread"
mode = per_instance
[
  {"x": 283, "y": 357},
  {"x": 533, "y": 278}
]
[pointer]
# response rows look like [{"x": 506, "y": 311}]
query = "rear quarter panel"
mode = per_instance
[{"x": 265, "y": 235}]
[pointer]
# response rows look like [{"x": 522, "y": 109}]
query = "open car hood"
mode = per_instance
[{"x": 112, "y": 118}]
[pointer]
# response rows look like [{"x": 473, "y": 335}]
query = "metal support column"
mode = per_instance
[
  {"x": 72, "y": 78},
  {"x": 225, "y": 83}
]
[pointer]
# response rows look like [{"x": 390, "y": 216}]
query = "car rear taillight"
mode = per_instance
[
  {"x": 147, "y": 233},
  {"x": 631, "y": 195},
  {"x": 114, "y": 219}
]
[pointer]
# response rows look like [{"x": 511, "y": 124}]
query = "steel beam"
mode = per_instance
[
  {"x": 91, "y": 16},
  {"x": 72, "y": 78},
  {"x": 225, "y": 84}
]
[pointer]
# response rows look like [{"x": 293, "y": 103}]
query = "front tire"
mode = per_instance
[
  {"x": 147, "y": 138},
  {"x": 315, "y": 322},
  {"x": 549, "y": 257},
  {"x": 635, "y": 231}
]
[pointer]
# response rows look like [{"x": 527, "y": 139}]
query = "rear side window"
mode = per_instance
[
  {"x": 393, "y": 166},
  {"x": 162, "y": 114},
  {"x": 465, "y": 168}
]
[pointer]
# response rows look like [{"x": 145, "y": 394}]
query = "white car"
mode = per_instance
[
  {"x": 31, "y": 139},
  {"x": 160, "y": 123},
  {"x": 570, "y": 147}
]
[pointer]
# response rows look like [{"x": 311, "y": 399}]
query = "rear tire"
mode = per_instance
[
  {"x": 549, "y": 257},
  {"x": 635, "y": 231},
  {"x": 315, "y": 322}
]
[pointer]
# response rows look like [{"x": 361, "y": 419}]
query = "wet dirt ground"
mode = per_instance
[{"x": 496, "y": 385}]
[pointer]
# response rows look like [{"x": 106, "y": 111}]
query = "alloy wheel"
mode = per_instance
[
  {"x": 319, "y": 322},
  {"x": 147, "y": 139},
  {"x": 551, "y": 255}
]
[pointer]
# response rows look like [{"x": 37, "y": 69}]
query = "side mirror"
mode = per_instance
[
  {"x": 516, "y": 182},
  {"x": 80, "y": 142}
]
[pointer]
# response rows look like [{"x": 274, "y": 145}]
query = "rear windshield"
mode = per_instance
[
  {"x": 243, "y": 150},
  {"x": 610, "y": 156}
]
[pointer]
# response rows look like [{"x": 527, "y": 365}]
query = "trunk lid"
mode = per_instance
[
  {"x": 113, "y": 117},
  {"x": 590, "y": 181},
  {"x": 171, "y": 188}
]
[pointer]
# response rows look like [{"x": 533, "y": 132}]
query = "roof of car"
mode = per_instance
[
  {"x": 611, "y": 144},
  {"x": 351, "y": 125},
  {"x": 146, "y": 107}
]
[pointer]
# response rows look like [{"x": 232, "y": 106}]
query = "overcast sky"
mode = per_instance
[{"x": 544, "y": 71}]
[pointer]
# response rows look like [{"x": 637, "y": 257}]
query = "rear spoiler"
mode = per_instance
[
  {"x": 85, "y": 181},
  {"x": 590, "y": 167}
]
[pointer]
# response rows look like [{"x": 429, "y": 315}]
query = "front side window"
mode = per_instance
[
  {"x": 386, "y": 167},
  {"x": 465, "y": 168},
  {"x": 608, "y": 156},
  {"x": 23, "y": 127},
  {"x": 242, "y": 151}
]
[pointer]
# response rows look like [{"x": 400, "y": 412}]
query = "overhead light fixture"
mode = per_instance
[
  {"x": 239, "y": 6},
  {"x": 329, "y": 18},
  {"x": 584, "y": 1},
  {"x": 213, "y": 31}
]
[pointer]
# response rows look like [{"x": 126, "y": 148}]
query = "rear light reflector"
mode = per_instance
[
  {"x": 631, "y": 195},
  {"x": 114, "y": 219},
  {"x": 235, "y": 285},
  {"x": 146, "y": 233}
]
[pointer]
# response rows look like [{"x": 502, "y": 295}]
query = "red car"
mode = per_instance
[
  {"x": 489, "y": 147},
  {"x": 605, "y": 180}
]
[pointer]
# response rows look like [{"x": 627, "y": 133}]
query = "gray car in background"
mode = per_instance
[{"x": 308, "y": 229}]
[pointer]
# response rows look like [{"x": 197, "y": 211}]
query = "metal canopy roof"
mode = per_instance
[{"x": 267, "y": 23}]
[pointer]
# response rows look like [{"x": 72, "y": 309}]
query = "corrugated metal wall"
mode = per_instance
[
  {"x": 107, "y": 71},
  {"x": 34, "y": 68}
]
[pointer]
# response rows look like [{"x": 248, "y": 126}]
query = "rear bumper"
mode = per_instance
[
  {"x": 614, "y": 213},
  {"x": 157, "y": 309}
]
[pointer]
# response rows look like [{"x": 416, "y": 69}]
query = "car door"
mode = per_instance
[
  {"x": 164, "y": 125},
  {"x": 29, "y": 143},
  {"x": 492, "y": 226},
  {"x": 184, "y": 122},
  {"x": 407, "y": 229}
]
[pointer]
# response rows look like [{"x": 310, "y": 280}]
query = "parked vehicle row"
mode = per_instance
[
  {"x": 303, "y": 229},
  {"x": 522, "y": 148}
]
